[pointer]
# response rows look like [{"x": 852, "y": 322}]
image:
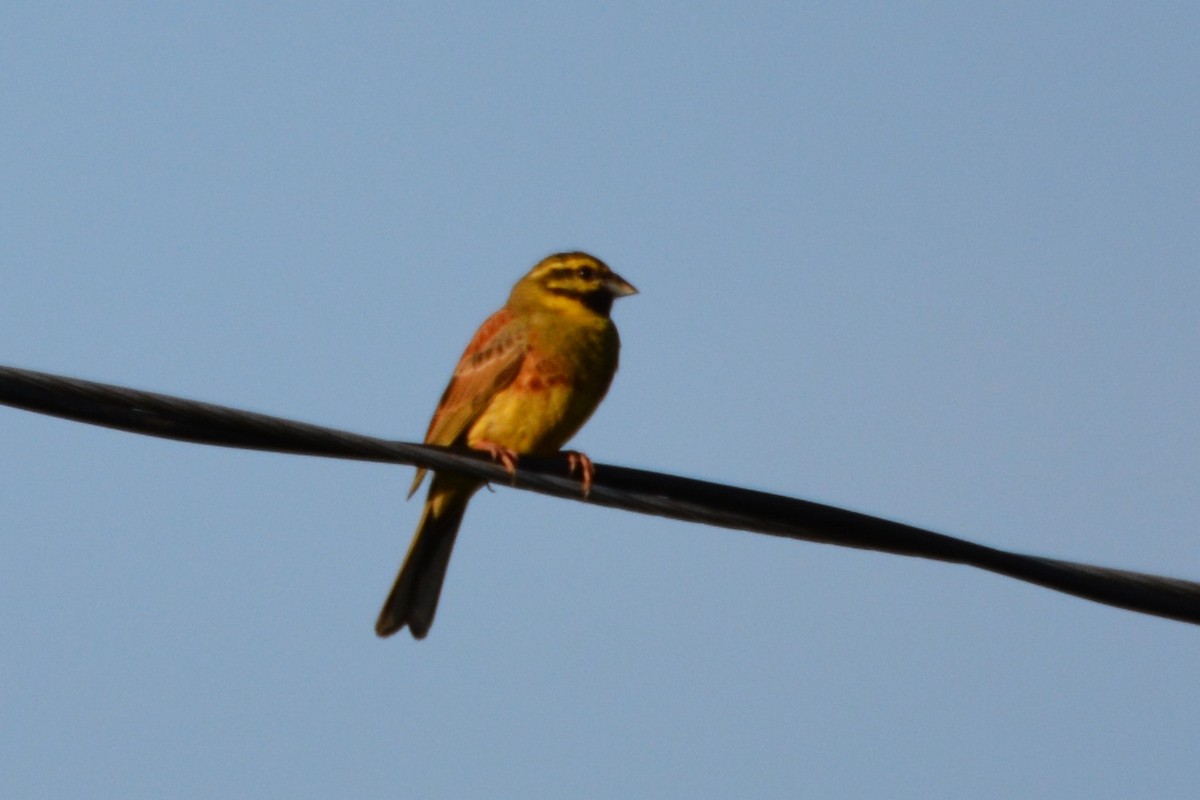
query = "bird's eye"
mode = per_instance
[{"x": 587, "y": 273}]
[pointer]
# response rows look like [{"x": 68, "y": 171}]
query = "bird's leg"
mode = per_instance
[
  {"x": 506, "y": 456},
  {"x": 587, "y": 470}
]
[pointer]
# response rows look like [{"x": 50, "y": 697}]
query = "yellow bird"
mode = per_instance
[{"x": 531, "y": 376}]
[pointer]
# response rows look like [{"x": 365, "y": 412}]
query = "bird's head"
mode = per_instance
[{"x": 569, "y": 280}]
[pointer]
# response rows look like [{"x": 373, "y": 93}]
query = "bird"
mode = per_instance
[{"x": 529, "y": 379}]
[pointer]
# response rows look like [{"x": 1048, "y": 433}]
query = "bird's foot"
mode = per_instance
[
  {"x": 587, "y": 470},
  {"x": 505, "y": 456}
]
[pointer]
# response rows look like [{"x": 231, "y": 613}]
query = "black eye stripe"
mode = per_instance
[
  {"x": 560, "y": 273},
  {"x": 587, "y": 272}
]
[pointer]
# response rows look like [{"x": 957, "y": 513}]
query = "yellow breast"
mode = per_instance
[{"x": 564, "y": 376}]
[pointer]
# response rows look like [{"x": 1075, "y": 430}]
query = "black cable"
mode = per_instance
[{"x": 618, "y": 487}]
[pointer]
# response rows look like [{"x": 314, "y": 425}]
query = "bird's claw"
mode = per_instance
[
  {"x": 587, "y": 470},
  {"x": 505, "y": 456}
]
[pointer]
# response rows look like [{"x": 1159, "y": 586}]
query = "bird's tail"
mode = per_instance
[{"x": 414, "y": 596}]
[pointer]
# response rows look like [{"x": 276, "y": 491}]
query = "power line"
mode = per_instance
[{"x": 617, "y": 487}]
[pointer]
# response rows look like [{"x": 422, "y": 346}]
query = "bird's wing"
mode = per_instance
[{"x": 490, "y": 363}]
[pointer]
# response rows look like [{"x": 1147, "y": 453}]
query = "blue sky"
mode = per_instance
[{"x": 935, "y": 263}]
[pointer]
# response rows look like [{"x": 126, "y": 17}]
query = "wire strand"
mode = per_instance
[{"x": 623, "y": 488}]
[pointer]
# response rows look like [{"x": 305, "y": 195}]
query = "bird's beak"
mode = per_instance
[{"x": 618, "y": 286}]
